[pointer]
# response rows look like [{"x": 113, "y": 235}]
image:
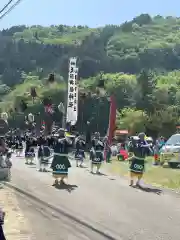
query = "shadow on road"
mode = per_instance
[
  {"x": 82, "y": 166},
  {"x": 30, "y": 164},
  {"x": 67, "y": 187},
  {"x": 149, "y": 189},
  {"x": 101, "y": 174},
  {"x": 98, "y": 174}
]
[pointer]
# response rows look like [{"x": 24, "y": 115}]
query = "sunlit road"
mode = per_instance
[{"x": 107, "y": 204}]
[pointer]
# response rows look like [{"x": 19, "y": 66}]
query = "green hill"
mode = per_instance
[
  {"x": 144, "y": 42},
  {"x": 55, "y": 34},
  {"x": 138, "y": 60}
]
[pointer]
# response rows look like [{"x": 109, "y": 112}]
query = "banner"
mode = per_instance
[
  {"x": 72, "y": 97},
  {"x": 49, "y": 109},
  {"x": 112, "y": 119}
]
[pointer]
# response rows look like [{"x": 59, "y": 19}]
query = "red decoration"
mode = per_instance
[{"x": 49, "y": 108}]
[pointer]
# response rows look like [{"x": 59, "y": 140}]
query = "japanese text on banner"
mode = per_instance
[{"x": 72, "y": 98}]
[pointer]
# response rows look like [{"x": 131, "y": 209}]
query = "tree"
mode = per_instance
[
  {"x": 137, "y": 62},
  {"x": 132, "y": 119},
  {"x": 143, "y": 19},
  {"x": 4, "y": 89},
  {"x": 147, "y": 84}
]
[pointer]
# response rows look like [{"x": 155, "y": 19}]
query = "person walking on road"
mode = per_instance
[
  {"x": 80, "y": 149},
  {"x": 96, "y": 153},
  {"x": 60, "y": 163},
  {"x": 44, "y": 155},
  {"x": 137, "y": 161}
]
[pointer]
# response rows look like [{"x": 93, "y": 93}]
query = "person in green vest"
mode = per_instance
[
  {"x": 60, "y": 163},
  {"x": 139, "y": 148},
  {"x": 96, "y": 153}
]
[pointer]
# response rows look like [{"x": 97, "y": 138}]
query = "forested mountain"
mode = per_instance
[{"x": 138, "y": 62}]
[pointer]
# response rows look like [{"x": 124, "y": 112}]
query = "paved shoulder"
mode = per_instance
[{"x": 16, "y": 226}]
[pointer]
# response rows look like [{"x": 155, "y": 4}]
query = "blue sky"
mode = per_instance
[{"x": 93, "y": 12}]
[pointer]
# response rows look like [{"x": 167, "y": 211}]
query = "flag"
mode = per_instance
[
  {"x": 112, "y": 119},
  {"x": 49, "y": 109},
  {"x": 61, "y": 108}
]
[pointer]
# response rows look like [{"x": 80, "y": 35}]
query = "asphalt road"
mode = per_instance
[
  {"x": 47, "y": 224},
  {"x": 105, "y": 207}
]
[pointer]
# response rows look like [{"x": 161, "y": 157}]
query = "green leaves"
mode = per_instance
[
  {"x": 132, "y": 119},
  {"x": 137, "y": 62}
]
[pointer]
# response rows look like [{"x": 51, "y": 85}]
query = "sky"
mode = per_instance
[{"x": 83, "y": 12}]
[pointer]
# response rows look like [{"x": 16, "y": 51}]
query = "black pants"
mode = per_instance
[{"x": 2, "y": 237}]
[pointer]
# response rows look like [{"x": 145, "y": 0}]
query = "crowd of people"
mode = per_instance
[
  {"x": 56, "y": 146},
  {"x": 54, "y": 150},
  {"x": 59, "y": 144}
]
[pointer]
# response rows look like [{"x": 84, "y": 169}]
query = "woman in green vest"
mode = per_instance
[{"x": 139, "y": 148}]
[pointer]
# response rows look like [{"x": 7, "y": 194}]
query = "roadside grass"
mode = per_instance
[{"x": 155, "y": 175}]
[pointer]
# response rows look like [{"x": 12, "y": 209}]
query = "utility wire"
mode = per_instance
[
  {"x": 10, "y": 9},
  {"x": 7, "y": 4}
]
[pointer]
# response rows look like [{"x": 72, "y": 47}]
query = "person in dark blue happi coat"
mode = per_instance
[
  {"x": 13, "y": 144},
  {"x": 29, "y": 152},
  {"x": 80, "y": 149},
  {"x": 40, "y": 156},
  {"x": 96, "y": 153},
  {"x": 139, "y": 148},
  {"x": 44, "y": 154},
  {"x": 19, "y": 147},
  {"x": 61, "y": 164}
]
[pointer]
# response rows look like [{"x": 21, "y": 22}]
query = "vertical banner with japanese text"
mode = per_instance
[{"x": 72, "y": 97}]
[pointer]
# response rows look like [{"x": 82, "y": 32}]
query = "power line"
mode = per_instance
[
  {"x": 7, "y": 4},
  {"x": 10, "y": 9}
]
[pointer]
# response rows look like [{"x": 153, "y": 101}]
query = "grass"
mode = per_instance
[{"x": 154, "y": 175}]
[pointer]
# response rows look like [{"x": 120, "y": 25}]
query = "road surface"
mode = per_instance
[
  {"x": 16, "y": 226},
  {"x": 105, "y": 207}
]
